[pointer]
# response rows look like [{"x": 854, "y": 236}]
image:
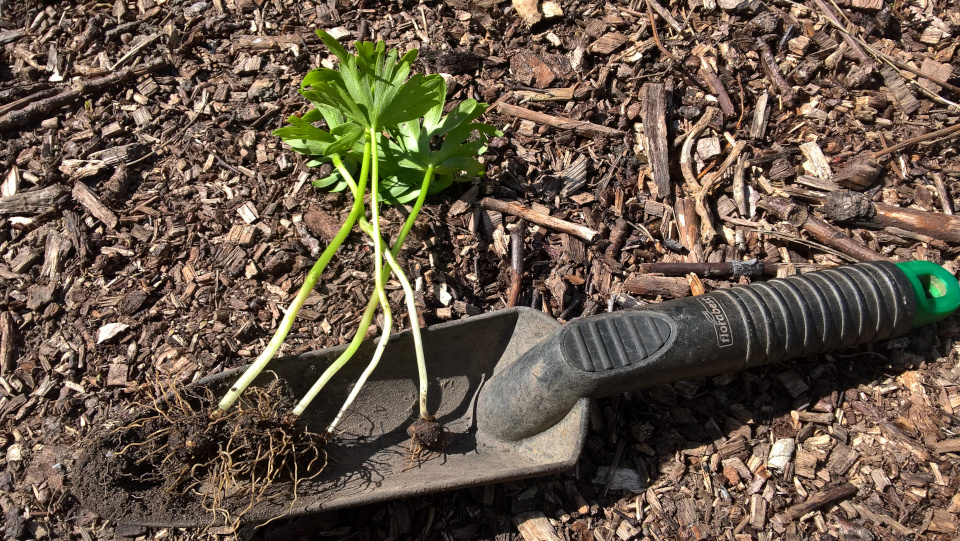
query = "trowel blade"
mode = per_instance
[{"x": 370, "y": 459}]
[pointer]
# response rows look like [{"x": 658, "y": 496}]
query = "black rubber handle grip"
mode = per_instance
[{"x": 723, "y": 331}]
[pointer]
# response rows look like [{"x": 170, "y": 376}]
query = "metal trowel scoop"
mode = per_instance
[{"x": 513, "y": 386}]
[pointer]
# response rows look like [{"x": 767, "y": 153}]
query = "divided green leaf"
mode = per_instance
[{"x": 372, "y": 92}]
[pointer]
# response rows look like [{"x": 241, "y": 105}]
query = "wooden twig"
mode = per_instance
[
  {"x": 516, "y": 263},
  {"x": 733, "y": 269},
  {"x": 656, "y": 35},
  {"x": 787, "y": 94},
  {"x": 919, "y": 139},
  {"x": 132, "y": 53},
  {"x": 579, "y": 126},
  {"x": 655, "y": 133},
  {"x": 663, "y": 12},
  {"x": 36, "y": 96},
  {"x": 246, "y": 42},
  {"x": 43, "y": 107},
  {"x": 758, "y": 126},
  {"x": 687, "y": 224},
  {"x": 741, "y": 195},
  {"x": 33, "y": 201},
  {"x": 7, "y": 348},
  {"x": 707, "y": 232},
  {"x": 881, "y": 519},
  {"x": 666, "y": 286},
  {"x": 788, "y": 237},
  {"x": 716, "y": 86},
  {"x": 821, "y": 499},
  {"x": 556, "y": 224},
  {"x": 947, "y": 446},
  {"x": 91, "y": 201},
  {"x": 618, "y": 235},
  {"x": 945, "y": 227},
  {"x": 849, "y": 39},
  {"x": 796, "y": 214},
  {"x": 686, "y": 152}
]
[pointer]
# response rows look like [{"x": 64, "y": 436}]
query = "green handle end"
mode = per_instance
[{"x": 936, "y": 290}]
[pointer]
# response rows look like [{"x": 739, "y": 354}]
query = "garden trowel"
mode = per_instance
[{"x": 513, "y": 387}]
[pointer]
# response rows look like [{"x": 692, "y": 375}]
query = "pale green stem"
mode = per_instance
[
  {"x": 375, "y": 214},
  {"x": 381, "y": 345},
  {"x": 308, "y": 284},
  {"x": 371, "y": 308}
]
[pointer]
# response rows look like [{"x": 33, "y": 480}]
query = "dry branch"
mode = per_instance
[
  {"x": 556, "y": 224},
  {"x": 655, "y": 132},
  {"x": 8, "y": 361},
  {"x": 707, "y": 232},
  {"x": 787, "y": 94},
  {"x": 716, "y": 86},
  {"x": 825, "y": 233},
  {"x": 43, "y": 107},
  {"x": 686, "y": 152},
  {"x": 733, "y": 269},
  {"x": 827, "y": 497},
  {"x": 579, "y": 126},
  {"x": 665, "y": 286},
  {"x": 857, "y": 208},
  {"x": 919, "y": 139},
  {"x": 33, "y": 201}
]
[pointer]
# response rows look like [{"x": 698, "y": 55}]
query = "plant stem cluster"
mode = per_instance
[{"x": 384, "y": 130}]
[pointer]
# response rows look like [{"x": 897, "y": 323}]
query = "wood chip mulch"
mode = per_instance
[{"x": 152, "y": 230}]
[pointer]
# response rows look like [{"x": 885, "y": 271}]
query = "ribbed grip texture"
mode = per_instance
[
  {"x": 605, "y": 344},
  {"x": 822, "y": 311}
]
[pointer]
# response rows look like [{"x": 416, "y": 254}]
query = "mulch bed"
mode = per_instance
[{"x": 152, "y": 230}]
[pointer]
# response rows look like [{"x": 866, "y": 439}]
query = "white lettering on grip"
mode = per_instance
[{"x": 721, "y": 324}]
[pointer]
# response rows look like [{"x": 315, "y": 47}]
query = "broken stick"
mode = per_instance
[
  {"x": 556, "y": 224},
  {"x": 33, "y": 201},
  {"x": 821, "y": 499},
  {"x": 8, "y": 361},
  {"x": 716, "y": 86},
  {"x": 787, "y": 93},
  {"x": 919, "y": 139},
  {"x": 855, "y": 207},
  {"x": 686, "y": 152},
  {"x": 579, "y": 126},
  {"x": 797, "y": 214},
  {"x": 734, "y": 269},
  {"x": 707, "y": 232},
  {"x": 655, "y": 133},
  {"x": 43, "y": 107}
]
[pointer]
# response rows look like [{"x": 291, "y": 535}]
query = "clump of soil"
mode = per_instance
[
  {"x": 227, "y": 461},
  {"x": 428, "y": 438}
]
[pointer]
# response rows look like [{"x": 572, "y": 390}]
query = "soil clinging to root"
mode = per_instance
[
  {"x": 182, "y": 453},
  {"x": 428, "y": 438}
]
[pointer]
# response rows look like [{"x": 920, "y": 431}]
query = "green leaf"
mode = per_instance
[
  {"x": 465, "y": 111},
  {"x": 331, "y": 180},
  {"x": 401, "y": 188},
  {"x": 346, "y": 136},
  {"x": 470, "y": 167},
  {"x": 313, "y": 76},
  {"x": 413, "y": 99},
  {"x": 305, "y": 138},
  {"x": 373, "y": 91},
  {"x": 334, "y": 45},
  {"x": 313, "y": 115}
]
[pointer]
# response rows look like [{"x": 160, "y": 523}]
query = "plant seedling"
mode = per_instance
[{"x": 384, "y": 129}]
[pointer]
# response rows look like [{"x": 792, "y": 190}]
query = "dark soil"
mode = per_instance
[
  {"x": 427, "y": 435},
  {"x": 180, "y": 456}
]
